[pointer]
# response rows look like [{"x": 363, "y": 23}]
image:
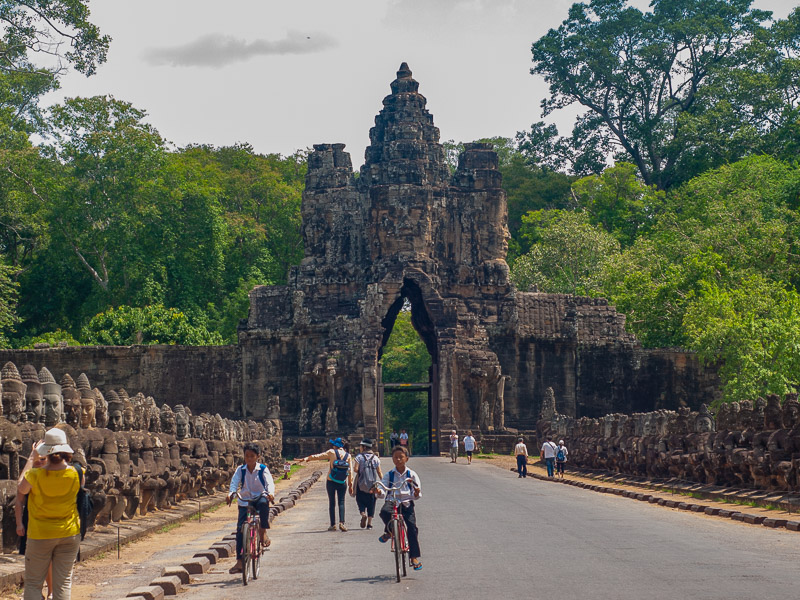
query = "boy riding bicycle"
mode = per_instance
[
  {"x": 254, "y": 483},
  {"x": 409, "y": 491}
]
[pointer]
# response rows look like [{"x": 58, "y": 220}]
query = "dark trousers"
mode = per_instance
[
  {"x": 335, "y": 489},
  {"x": 262, "y": 505},
  {"x": 560, "y": 466},
  {"x": 411, "y": 525},
  {"x": 522, "y": 465},
  {"x": 550, "y": 463},
  {"x": 366, "y": 503}
]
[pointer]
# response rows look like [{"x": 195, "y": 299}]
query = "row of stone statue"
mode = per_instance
[
  {"x": 36, "y": 398},
  {"x": 745, "y": 444},
  {"x": 147, "y": 457}
]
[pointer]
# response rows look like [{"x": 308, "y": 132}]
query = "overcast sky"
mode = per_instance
[{"x": 286, "y": 74}]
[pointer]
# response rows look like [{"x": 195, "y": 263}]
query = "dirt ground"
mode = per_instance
[
  {"x": 510, "y": 462},
  {"x": 92, "y": 575}
]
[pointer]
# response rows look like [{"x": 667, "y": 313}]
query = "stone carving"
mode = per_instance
[
  {"x": 273, "y": 404},
  {"x": 316, "y": 419},
  {"x": 13, "y": 392},
  {"x": 331, "y": 420},
  {"x": 751, "y": 444},
  {"x": 129, "y": 469},
  {"x": 54, "y": 402}
]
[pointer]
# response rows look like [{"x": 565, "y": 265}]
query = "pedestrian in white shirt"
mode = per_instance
[
  {"x": 453, "y": 447},
  {"x": 548, "y": 452},
  {"x": 521, "y": 452},
  {"x": 469, "y": 446}
]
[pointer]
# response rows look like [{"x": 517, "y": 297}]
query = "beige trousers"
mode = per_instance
[{"x": 62, "y": 552}]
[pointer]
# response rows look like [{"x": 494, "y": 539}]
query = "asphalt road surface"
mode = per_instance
[{"x": 484, "y": 533}]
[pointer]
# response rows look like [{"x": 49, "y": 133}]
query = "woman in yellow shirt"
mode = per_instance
[{"x": 53, "y": 524}]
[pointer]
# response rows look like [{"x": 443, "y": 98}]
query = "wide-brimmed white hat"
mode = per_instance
[{"x": 55, "y": 440}]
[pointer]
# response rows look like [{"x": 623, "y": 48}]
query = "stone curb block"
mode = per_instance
[
  {"x": 197, "y": 566},
  {"x": 712, "y": 510},
  {"x": 697, "y": 508},
  {"x": 223, "y": 550},
  {"x": 170, "y": 584},
  {"x": 149, "y": 592},
  {"x": 683, "y": 505},
  {"x": 179, "y": 572},
  {"x": 793, "y": 525},
  {"x": 211, "y": 555},
  {"x": 754, "y": 519},
  {"x": 654, "y": 500},
  {"x": 775, "y": 522},
  {"x": 738, "y": 516}
]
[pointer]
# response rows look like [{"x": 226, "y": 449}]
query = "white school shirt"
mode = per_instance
[
  {"x": 251, "y": 485},
  {"x": 549, "y": 449},
  {"x": 406, "y": 492},
  {"x": 469, "y": 443}
]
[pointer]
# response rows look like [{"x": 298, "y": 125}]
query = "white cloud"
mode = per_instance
[{"x": 218, "y": 50}]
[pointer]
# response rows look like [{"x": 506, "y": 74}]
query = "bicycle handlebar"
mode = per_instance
[{"x": 394, "y": 488}]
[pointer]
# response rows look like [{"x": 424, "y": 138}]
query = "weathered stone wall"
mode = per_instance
[
  {"x": 202, "y": 378},
  {"x": 745, "y": 445}
]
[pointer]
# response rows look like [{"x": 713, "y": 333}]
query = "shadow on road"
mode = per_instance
[{"x": 375, "y": 579}]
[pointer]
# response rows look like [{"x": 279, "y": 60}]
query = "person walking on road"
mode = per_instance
[
  {"x": 521, "y": 451},
  {"x": 403, "y": 440},
  {"x": 469, "y": 446},
  {"x": 548, "y": 452},
  {"x": 453, "y": 447},
  {"x": 255, "y": 485},
  {"x": 340, "y": 479},
  {"x": 53, "y": 530},
  {"x": 561, "y": 458},
  {"x": 367, "y": 469}
]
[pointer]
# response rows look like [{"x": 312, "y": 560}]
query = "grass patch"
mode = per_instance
[{"x": 169, "y": 527}]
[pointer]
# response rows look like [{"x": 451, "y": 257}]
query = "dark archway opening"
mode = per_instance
[{"x": 407, "y": 388}]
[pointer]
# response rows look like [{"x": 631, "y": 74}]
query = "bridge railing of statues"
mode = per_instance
[
  {"x": 138, "y": 456},
  {"x": 748, "y": 444}
]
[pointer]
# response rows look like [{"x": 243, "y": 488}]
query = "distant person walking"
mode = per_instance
[
  {"x": 367, "y": 471},
  {"x": 548, "y": 452},
  {"x": 561, "y": 458},
  {"x": 521, "y": 452},
  {"x": 403, "y": 440},
  {"x": 469, "y": 446},
  {"x": 53, "y": 529},
  {"x": 453, "y": 447},
  {"x": 393, "y": 440},
  {"x": 340, "y": 478}
]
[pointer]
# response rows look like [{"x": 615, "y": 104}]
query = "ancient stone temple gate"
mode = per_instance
[{"x": 407, "y": 229}]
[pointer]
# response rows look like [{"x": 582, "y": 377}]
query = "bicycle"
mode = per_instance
[
  {"x": 397, "y": 528},
  {"x": 252, "y": 548}
]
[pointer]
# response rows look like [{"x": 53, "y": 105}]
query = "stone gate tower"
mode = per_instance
[{"x": 406, "y": 229}]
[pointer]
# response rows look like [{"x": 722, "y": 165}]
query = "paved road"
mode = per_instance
[{"x": 486, "y": 533}]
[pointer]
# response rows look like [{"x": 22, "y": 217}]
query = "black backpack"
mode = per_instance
[
  {"x": 340, "y": 468},
  {"x": 84, "y": 501}
]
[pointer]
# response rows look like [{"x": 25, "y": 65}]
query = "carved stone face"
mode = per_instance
[
  {"x": 34, "y": 395},
  {"x": 13, "y": 400},
  {"x": 791, "y": 413},
  {"x": 73, "y": 412},
  {"x": 52, "y": 409},
  {"x": 87, "y": 412},
  {"x": 199, "y": 427},
  {"x": 128, "y": 418},
  {"x": 167, "y": 420},
  {"x": 115, "y": 420},
  {"x": 703, "y": 424},
  {"x": 181, "y": 425}
]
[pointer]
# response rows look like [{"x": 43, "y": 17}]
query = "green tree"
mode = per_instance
[
  {"x": 154, "y": 324},
  {"x": 752, "y": 331},
  {"x": 655, "y": 85},
  {"x": 8, "y": 301},
  {"x": 567, "y": 255},
  {"x": 619, "y": 202}
]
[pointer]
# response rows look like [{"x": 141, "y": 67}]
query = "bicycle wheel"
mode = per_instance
[
  {"x": 256, "y": 552},
  {"x": 398, "y": 550},
  {"x": 404, "y": 545},
  {"x": 245, "y": 551}
]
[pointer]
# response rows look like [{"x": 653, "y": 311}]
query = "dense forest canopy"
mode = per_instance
[{"x": 675, "y": 196}]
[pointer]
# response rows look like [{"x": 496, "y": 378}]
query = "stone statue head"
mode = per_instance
[
  {"x": 34, "y": 394},
  {"x": 724, "y": 417},
  {"x": 198, "y": 427},
  {"x": 139, "y": 412},
  {"x": 13, "y": 392},
  {"x": 181, "y": 422},
  {"x": 745, "y": 417},
  {"x": 88, "y": 409},
  {"x": 53, "y": 401},
  {"x": 72, "y": 401},
  {"x": 548, "y": 404},
  {"x": 100, "y": 409},
  {"x": 167, "y": 419},
  {"x": 115, "y": 408},
  {"x": 703, "y": 423},
  {"x": 128, "y": 416},
  {"x": 790, "y": 411},
  {"x": 759, "y": 413},
  {"x": 152, "y": 415},
  {"x": 772, "y": 413}
]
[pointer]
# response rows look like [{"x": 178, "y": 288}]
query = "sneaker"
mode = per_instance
[
  {"x": 369, "y": 526},
  {"x": 363, "y": 520},
  {"x": 332, "y": 528},
  {"x": 342, "y": 527},
  {"x": 384, "y": 538}
]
